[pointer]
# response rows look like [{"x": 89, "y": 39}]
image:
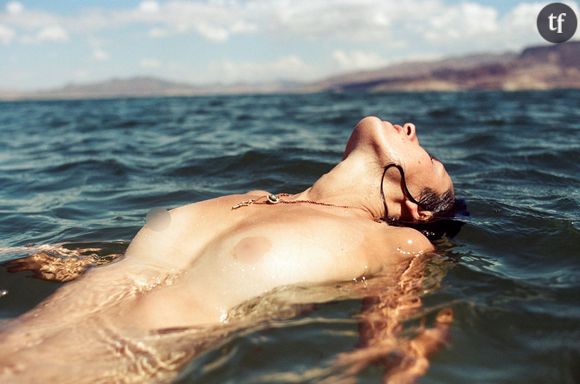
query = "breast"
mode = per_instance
[
  {"x": 251, "y": 249},
  {"x": 255, "y": 258}
]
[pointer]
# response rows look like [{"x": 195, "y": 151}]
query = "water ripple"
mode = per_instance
[{"x": 89, "y": 171}]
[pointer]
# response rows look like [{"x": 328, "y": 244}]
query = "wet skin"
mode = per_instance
[
  {"x": 257, "y": 249},
  {"x": 208, "y": 258},
  {"x": 223, "y": 258}
]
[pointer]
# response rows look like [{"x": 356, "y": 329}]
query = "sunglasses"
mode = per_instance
[{"x": 406, "y": 192}]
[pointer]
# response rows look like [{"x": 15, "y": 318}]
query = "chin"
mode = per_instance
[{"x": 367, "y": 131}]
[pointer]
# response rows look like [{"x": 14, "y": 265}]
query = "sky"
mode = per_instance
[{"x": 45, "y": 44}]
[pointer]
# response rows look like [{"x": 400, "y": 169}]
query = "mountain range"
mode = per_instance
[{"x": 538, "y": 67}]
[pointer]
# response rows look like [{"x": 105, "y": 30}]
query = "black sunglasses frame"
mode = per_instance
[{"x": 403, "y": 186}]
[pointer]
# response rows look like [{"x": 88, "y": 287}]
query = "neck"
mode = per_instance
[{"x": 351, "y": 182}]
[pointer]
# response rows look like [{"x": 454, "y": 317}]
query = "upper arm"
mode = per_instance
[
  {"x": 389, "y": 248},
  {"x": 399, "y": 241},
  {"x": 413, "y": 241}
]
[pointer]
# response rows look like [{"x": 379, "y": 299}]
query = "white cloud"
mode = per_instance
[
  {"x": 462, "y": 22},
  {"x": 290, "y": 67},
  {"x": 6, "y": 35},
  {"x": 212, "y": 32},
  {"x": 30, "y": 20},
  {"x": 149, "y": 6},
  {"x": 14, "y": 7},
  {"x": 520, "y": 25},
  {"x": 150, "y": 63},
  {"x": 49, "y": 34},
  {"x": 158, "y": 32},
  {"x": 52, "y": 33},
  {"x": 523, "y": 15},
  {"x": 311, "y": 37},
  {"x": 100, "y": 54},
  {"x": 468, "y": 25},
  {"x": 242, "y": 26},
  {"x": 357, "y": 60}
]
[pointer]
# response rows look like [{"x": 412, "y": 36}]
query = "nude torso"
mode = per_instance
[
  {"x": 208, "y": 260},
  {"x": 260, "y": 247}
]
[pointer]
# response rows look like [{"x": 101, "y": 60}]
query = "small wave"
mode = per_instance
[
  {"x": 90, "y": 170},
  {"x": 449, "y": 112},
  {"x": 476, "y": 140},
  {"x": 114, "y": 166}
]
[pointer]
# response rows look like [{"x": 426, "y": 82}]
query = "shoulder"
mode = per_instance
[
  {"x": 389, "y": 248},
  {"x": 406, "y": 239}
]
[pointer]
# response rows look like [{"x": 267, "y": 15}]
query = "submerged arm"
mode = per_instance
[
  {"x": 381, "y": 330},
  {"x": 62, "y": 262}
]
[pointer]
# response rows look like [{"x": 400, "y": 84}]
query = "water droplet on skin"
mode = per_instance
[
  {"x": 158, "y": 219},
  {"x": 403, "y": 252},
  {"x": 364, "y": 280}
]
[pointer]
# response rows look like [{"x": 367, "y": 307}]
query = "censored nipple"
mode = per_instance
[{"x": 158, "y": 219}]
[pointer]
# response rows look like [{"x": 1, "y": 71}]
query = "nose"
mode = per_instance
[{"x": 410, "y": 130}]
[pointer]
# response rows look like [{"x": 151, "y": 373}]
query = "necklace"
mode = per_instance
[
  {"x": 273, "y": 199},
  {"x": 276, "y": 199}
]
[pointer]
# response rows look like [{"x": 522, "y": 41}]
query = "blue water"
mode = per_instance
[{"x": 87, "y": 172}]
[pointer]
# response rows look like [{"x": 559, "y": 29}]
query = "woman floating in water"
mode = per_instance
[{"x": 188, "y": 271}]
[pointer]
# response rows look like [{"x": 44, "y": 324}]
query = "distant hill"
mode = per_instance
[
  {"x": 541, "y": 67},
  {"x": 136, "y": 86},
  {"x": 142, "y": 86}
]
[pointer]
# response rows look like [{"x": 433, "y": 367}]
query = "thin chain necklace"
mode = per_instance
[
  {"x": 273, "y": 199},
  {"x": 276, "y": 199}
]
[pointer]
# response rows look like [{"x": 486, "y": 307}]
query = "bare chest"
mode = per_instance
[
  {"x": 267, "y": 249},
  {"x": 255, "y": 258}
]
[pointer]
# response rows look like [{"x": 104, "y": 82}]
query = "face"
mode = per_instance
[{"x": 392, "y": 143}]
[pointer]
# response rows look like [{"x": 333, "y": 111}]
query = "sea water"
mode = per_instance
[{"x": 88, "y": 172}]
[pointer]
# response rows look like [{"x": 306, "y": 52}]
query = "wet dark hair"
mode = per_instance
[
  {"x": 445, "y": 208},
  {"x": 441, "y": 205},
  {"x": 449, "y": 215}
]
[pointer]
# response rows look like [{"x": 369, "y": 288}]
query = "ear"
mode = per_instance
[{"x": 417, "y": 213}]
